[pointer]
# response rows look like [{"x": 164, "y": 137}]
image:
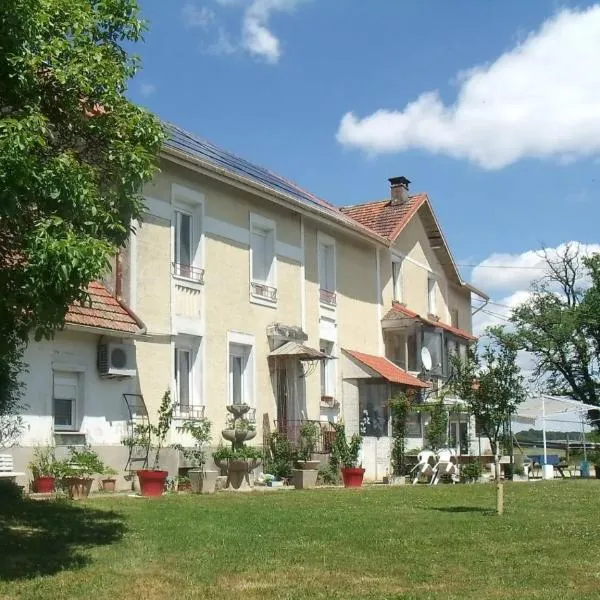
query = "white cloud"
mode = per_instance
[
  {"x": 257, "y": 38},
  {"x": 540, "y": 99},
  {"x": 197, "y": 16},
  {"x": 223, "y": 45},
  {"x": 503, "y": 271},
  {"x": 147, "y": 89}
]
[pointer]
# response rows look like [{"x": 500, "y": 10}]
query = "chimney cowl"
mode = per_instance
[{"x": 399, "y": 189}]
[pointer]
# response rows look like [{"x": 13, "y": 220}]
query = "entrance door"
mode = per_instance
[
  {"x": 459, "y": 436},
  {"x": 282, "y": 395}
]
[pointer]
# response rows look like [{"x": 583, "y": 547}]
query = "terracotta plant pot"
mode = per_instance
[
  {"x": 78, "y": 487},
  {"x": 353, "y": 476},
  {"x": 44, "y": 484},
  {"x": 109, "y": 485},
  {"x": 152, "y": 483}
]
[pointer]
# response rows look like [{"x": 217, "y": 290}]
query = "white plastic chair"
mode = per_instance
[
  {"x": 445, "y": 466},
  {"x": 424, "y": 466}
]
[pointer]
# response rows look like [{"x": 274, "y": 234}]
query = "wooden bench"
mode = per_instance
[{"x": 6, "y": 468}]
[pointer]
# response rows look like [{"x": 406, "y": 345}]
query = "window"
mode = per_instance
[
  {"x": 183, "y": 378},
  {"x": 65, "y": 397},
  {"x": 431, "y": 296},
  {"x": 432, "y": 340},
  {"x": 327, "y": 371},
  {"x": 239, "y": 374},
  {"x": 187, "y": 375},
  {"x": 373, "y": 400},
  {"x": 396, "y": 349},
  {"x": 454, "y": 321},
  {"x": 327, "y": 271},
  {"x": 413, "y": 425},
  {"x": 186, "y": 247},
  {"x": 187, "y": 233},
  {"x": 412, "y": 348},
  {"x": 397, "y": 280},
  {"x": 262, "y": 257}
]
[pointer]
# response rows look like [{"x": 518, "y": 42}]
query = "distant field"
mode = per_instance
[{"x": 407, "y": 542}]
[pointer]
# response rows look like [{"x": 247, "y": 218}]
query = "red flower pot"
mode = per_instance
[
  {"x": 44, "y": 484},
  {"x": 152, "y": 483},
  {"x": 353, "y": 476}
]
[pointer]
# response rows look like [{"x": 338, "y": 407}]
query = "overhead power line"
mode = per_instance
[{"x": 502, "y": 267}]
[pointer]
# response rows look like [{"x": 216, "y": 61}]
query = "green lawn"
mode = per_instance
[{"x": 410, "y": 542}]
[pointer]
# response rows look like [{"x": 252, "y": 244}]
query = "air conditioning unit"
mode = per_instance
[{"x": 116, "y": 360}]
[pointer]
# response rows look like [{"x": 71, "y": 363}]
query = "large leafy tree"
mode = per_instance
[
  {"x": 560, "y": 326},
  {"x": 491, "y": 383},
  {"x": 74, "y": 154}
]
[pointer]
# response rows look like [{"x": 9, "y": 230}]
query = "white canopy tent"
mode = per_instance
[{"x": 547, "y": 408}]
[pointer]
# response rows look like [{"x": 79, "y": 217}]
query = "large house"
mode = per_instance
[{"x": 240, "y": 287}]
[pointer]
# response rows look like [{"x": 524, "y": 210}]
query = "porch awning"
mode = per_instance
[
  {"x": 550, "y": 406},
  {"x": 386, "y": 369},
  {"x": 300, "y": 351},
  {"x": 399, "y": 314}
]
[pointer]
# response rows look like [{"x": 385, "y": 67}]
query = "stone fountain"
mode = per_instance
[{"x": 242, "y": 459}]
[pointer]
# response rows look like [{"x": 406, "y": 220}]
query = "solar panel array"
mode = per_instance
[{"x": 183, "y": 141}]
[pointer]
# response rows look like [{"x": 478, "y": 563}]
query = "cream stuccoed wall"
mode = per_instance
[
  {"x": 357, "y": 316},
  {"x": 419, "y": 263},
  {"x": 227, "y": 311}
]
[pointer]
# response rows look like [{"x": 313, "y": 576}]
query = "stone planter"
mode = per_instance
[
  {"x": 308, "y": 464},
  {"x": 238, "y": 472},
  {"x": 203, "y": 482},
  {"x": 305, "y": 479},
  {"x": 109, "y": 484},
  {"x": 79, "y": 487}
]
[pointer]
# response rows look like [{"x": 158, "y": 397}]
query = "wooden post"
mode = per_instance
[{"x": 499, "y": 484}]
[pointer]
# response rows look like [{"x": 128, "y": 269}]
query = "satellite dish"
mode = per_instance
[{"x": 426, "y": 359}]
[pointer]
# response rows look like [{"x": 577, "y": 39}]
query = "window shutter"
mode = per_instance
[
  {"x": 65, "y": 386},
  {"x": 259, "y": 256}
]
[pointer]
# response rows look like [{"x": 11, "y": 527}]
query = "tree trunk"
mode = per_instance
[{"x": 499, "y": 484}]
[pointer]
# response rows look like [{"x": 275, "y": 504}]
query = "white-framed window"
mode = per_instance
[
  {"x": 432, "y": 295},
  {"x": 327, "y": 269},
  {"x": 454, "y": 317},
  {"x": 187, "y": 376},
  {"x": 263, "y": 260},
  {"x": 397, "y": 282},
  {"x": 327, "y": 370},
  {"x": 240, "y": 361},
  {"x": 66, "y": 395},
  {"x": 187, "y": 234}
]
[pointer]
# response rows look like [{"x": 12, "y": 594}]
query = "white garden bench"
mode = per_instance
[{"x": 6, "y": 468}]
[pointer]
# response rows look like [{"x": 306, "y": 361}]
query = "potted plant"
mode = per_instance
[
  {"x": 109, "y": 482},
  {"x": 152, "y": 480},
  {"x": 202, "y": 481},
  {"x": 471, "y": 472},
  {"x": 42, "y": 467},
  {"x": 345, "y": 456},
  {"x": 77, "y": 470},
  {"x": 305, "y": 476}
]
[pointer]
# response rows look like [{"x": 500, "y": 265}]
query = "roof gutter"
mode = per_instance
[
  {"x": 185, "y": 160},
  {"x": 103, "y": 331}
]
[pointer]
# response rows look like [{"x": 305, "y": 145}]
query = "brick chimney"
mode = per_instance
[{"x": 399, "y": 189}]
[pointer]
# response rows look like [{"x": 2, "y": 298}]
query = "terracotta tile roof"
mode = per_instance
[
  {"x": 400, "y": 311},
  {"x": 105, "y": 312},
  {"x": 384, "y": 218},
  {"x": 387, "y": 369}
]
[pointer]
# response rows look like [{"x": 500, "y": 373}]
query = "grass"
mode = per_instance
[{"x": 411, "y": 542}]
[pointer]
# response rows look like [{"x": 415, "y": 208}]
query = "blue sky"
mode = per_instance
[{"x": 272, "y": 80}]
